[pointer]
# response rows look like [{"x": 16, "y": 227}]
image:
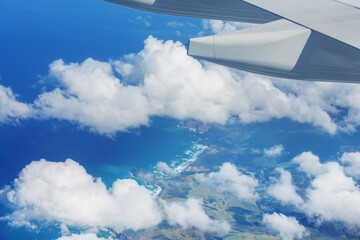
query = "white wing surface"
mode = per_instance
[{"x": 298, "y": 39}]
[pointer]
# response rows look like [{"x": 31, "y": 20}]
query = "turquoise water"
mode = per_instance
[
  {"x": 108, "y": 158},
  {"x": 35, "y": 33}
]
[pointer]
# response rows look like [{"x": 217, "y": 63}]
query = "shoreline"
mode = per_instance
[
  {"x": 178, "y": 166},
  {"x": 195, "y": 152}
]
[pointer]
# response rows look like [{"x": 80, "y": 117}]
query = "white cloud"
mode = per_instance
[
  {"x": 164, "y": 168},
  {"x": 161, "y": 80},
  {"x": 342, "y": 104},
  {"x": 309, "y": 163},
  {"x": 146, "y": 20},
  {"x": 82, "y": 236},
  {"x": 10, "y": 108},
  {"x": 274, "y": 151},
  {"x": 63, "y": 193},
  {"x": 229, "y": 180},
  {"x": 218, "y": 26},
  {"x": 284, "y": 190},
  {"x": 353, "y": 161},
  {"x": 331, "y": 196},
  {"x": 189, "y": 214},
  {"x": 334, "y": 197},
  {"x": 94, "y": 97},
  {"x": 175, "y": 24},
  {"x": 287, "y": 228}
]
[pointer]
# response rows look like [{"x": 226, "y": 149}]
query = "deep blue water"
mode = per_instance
[
  {"x": 33, "y": 33},
  {"x": 108, "y": 158}
]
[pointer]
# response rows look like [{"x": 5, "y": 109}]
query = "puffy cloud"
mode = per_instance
[
  {"x": 274, "y": 151},
  {"x": 309, "y": 163},
  {"x": 83, "y": 236},
  {"x": 331, "y": 196},
  {"x": 229, "y": 180},
  {"x": 334, "y": 197},
  {"x": 284, "y": 190},
  {"x": 94, "y": 97},
  {"x": 64, "y": 193},
  {"x": 218, "y": 26},
  {"x": 161, "y": 80},
  {"x": 10, "y": 108},
  {"x": 353, "y": 161},
  {"x": 287, "y": 228},
  {"x": 189, "y": 214},
  {"x": 343, "y": 104}
]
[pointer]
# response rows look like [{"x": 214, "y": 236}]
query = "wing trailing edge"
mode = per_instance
[{"x": 299, "y": 39}]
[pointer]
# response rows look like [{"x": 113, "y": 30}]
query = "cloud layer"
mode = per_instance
[
  {"x": 287, "y": 228},
  {"x": 83, "y": 236},
  {"x": 352, "y": 160},
  {"x": 64, "y": 194},
  {"x": 332, "y": 195},
  {"x": 229, "y": 180},
  {"x": 190, "y": 214},
  {"x": 10, "y": 108},
  {"x": 284, "y": 190},
  {"x": 161, "y": 80}
]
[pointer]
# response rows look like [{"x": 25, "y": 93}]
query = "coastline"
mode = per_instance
[{"x": 178, "y": 165}]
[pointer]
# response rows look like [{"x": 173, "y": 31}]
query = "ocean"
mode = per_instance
[
  {"x": 102, "y": 156},
  {"x": 35, "y": 33}
]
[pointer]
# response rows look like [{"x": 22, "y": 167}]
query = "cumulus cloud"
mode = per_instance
[
  {"x": 229, "y": 180},
  {"x": 64, "y": 193},
  {"x": 352, "y": 160},
  {"x": 94, "y": 97},
  {"x": 83, "y": 236},
  {"x": 274, "y": 151},
  {"x": 284, "y": 190},
  {"x": 331, "y": 196},
  {"x": 309, "y": 163},
  {"x": 218, "y": 26},
  {"x": 10, "y": 108},
  {"x": 161, "y": 80},
  {"x": 341, "y": 104},
  {"x": 189, "y": 214},
  {"x": 287, "y": 228}
]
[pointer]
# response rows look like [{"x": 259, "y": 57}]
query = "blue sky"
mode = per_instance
[{"x": 107, "y": 86}]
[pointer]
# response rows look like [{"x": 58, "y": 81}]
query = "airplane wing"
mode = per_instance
[{"x": 298, "y": 39}]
